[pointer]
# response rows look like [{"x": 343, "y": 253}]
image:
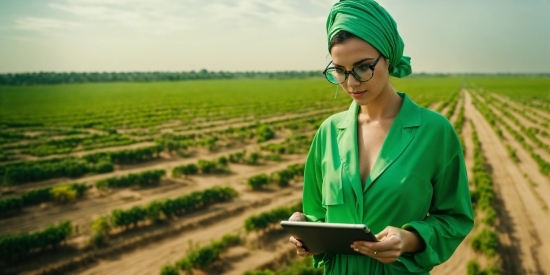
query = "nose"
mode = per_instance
[{"x": 352, "y": 81}]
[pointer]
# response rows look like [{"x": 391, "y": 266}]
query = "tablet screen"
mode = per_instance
[{"x": 328, "y": 237}]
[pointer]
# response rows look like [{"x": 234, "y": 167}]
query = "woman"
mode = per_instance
[{"x": 386, "y": 162}]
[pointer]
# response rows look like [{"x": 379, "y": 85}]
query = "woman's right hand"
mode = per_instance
[{"x": 299, "y": 217}]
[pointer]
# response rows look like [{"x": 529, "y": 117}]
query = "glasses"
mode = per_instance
[{"x": 361, "y": 72}]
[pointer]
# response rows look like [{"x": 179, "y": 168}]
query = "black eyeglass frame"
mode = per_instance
[{"x": 352, "y": 72}]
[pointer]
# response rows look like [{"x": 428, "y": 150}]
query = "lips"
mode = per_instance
[{"x": 357, "y": 94}]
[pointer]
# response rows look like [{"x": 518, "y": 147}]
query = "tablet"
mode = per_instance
[{"x": 328, "y": 237}]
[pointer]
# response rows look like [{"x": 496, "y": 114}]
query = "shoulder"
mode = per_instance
[
  {"x": 438, "y": 131},
  {"x": 434, "y": 120},
  {"x": 333, "y": 121}
]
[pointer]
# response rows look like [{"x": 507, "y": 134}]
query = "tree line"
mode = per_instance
[{"x": 40, "y": 78}]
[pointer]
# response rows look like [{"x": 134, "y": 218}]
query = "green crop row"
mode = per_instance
[
  {"x": 203, "y": 256},
  {"x": 29, "y": 171},
  {"x": 544, "y": 166},
  {"x": 17, "y": 246},
  {"x": 529, "y": 91},
  {"x": 473, "y": 268},
  {"x": 301, "y": 267},
  {"x": 264, "y": 220},
  {"x": 295, "y": 144},
  {"x": 167, "y": 207},
  {"x": 452, "y": 105},
  {"x": 142, "y": 105},
  {"x": 281, "y": 178},
  {"x": 127, "y": 156},
  {"x": 102, "y": 162},
  {"x": 528, "y": 131},
  {"x": 504, "y": 105},
  {"x": 145, "y": 178},
  {"x": 60, "y": 193},
  {"x": 483, "y": 196}
]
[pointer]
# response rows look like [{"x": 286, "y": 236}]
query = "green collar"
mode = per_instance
[{"x": 409, "y": 114}]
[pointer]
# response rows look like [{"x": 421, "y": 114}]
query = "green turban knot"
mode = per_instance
[{"x": 372, "y": 23}]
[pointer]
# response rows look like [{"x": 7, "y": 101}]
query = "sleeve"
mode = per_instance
[
  {"x": 313, "y": 181},
  {"x": 450, "y": 217},
  {"x": 312, "y": 193}
]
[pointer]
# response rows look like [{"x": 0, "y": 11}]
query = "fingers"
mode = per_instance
[
  {"x": 299, "y": 247},
  {"x": 386, "y": 251},
  {"x": 297, "y": 217},
  {"x": 294, "y": 241},
  {"x": 382, "y": 234}
]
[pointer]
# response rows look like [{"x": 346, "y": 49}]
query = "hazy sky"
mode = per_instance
[{"x": 266, "y": 35}]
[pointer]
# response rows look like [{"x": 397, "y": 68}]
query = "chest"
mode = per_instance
[{"x": 370, "y": 138}]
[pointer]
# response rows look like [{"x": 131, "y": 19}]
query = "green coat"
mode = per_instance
[{"x": 420, "y": 169}]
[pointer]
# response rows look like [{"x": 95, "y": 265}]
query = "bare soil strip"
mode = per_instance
[
  {"x": 161, "y": 163},
  {"x": 217, "y": 126},
  {"x": 149, "y": 259},
  {"x": 526, "y": 112},
  {"x": 457, "y": 263},
  {"x": 84, "y": 211},
  {"x": 82, "y": 153},
  {"x": 435, "y": 105},
  {"x": 526, "y": 123},
  {"x": 452, "y": 119},
  {"x": 539, "y": 151},
  {"x": 525, "y": 245},
  {"x": 539, "y": 113}
]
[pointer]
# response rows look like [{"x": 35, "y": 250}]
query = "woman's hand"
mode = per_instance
[
  {"x": 299, "y": 217},
  {"x": 392, "y": 243}
]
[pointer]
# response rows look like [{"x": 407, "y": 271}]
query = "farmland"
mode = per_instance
[{"x": 138, "y": 177}]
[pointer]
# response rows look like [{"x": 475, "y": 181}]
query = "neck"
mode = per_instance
[{"x": 385, "y": 106}]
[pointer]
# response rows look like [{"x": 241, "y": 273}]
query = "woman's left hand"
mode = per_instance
[{"x": 392, "y": 242}]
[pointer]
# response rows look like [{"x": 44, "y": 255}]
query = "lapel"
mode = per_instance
[
  {"x": 347, "y": 147},
  {"x": 398, "y": 139}
]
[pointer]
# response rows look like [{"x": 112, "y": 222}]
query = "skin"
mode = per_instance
[{"x": 380, "y": 105}]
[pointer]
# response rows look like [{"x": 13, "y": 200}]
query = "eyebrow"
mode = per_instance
[{"x": 356, "y": 63}]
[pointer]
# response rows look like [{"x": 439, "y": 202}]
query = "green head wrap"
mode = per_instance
[{"x": 372, "y": 23}]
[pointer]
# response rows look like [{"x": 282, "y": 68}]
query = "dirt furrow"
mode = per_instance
[
  {"x": 149, "y": 259},
  {"x": 527, "y": 123},
  {"x": 435, "y": 105},
  {"x": 83, "y": 212},
  {"x": 539, "y": 151},
  {"x": 452, "y": 119},
  {"x": 525, "y": 246},
  {"x": 536, "y": 113},
  {"x": 161, "y": 163},
  {"x": 457, "y": 263}
]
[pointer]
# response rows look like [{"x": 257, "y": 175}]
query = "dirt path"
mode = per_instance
[
  {"x": 536, "y": 113},
  {"x": 82, "y": 153},
  {"x": 161, "y": 163},
  {"x": 526, "y": 123},
  {"x": 148, "y": 260},
  {"x": 525, "y": 244},
  {"x": 452, "y": 119},
  {"x": 83, "y": 212},
  {"x": 265, "y": 120},
  {"x": 435, "y": 105},
  {"x": 216, "y": 126},
  {"x": 538, "y": 150},
  {"x": 457, "y": 263}
]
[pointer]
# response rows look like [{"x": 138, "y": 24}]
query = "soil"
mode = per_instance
[{"x": 522, "y": 228}]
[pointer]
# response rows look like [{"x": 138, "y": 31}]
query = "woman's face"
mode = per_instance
[{"x": 355, "y": 51}]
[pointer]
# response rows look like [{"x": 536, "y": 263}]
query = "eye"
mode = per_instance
[
  {"x": 363, "y": 67},
  {"x": 339, "y": 70}
]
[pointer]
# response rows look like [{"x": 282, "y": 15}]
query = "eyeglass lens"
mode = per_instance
[{"x": 362, "y": 72}]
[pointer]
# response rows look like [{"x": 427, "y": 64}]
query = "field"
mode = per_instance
[{"x": 132, "y": 178}]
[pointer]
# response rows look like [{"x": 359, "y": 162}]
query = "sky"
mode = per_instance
[{"x": 441, "y": 36}]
